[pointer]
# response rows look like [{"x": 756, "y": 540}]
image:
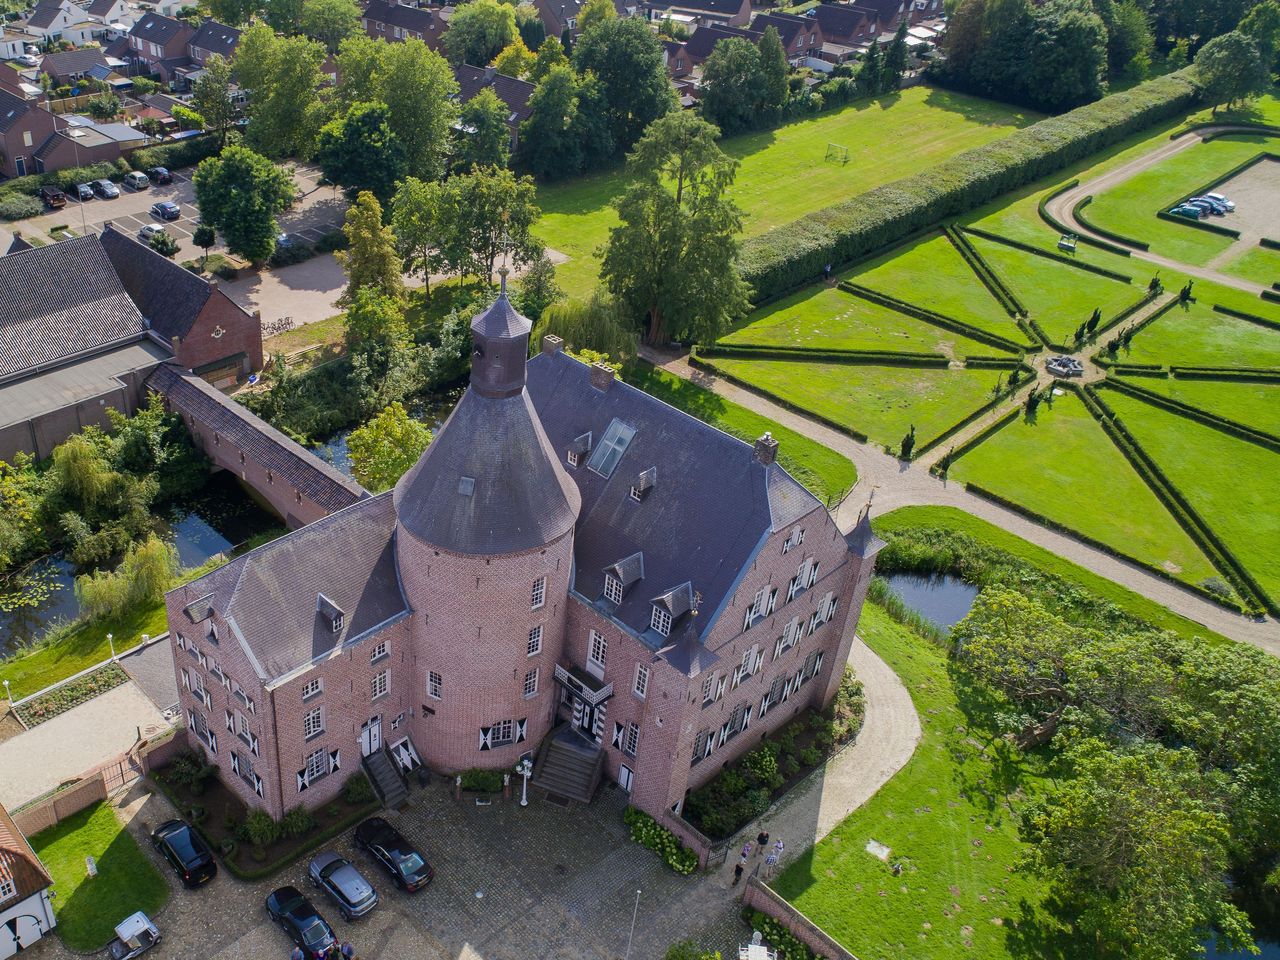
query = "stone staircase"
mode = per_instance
[
  {"x": 569, "y": 766},
  {"x": 387, "y": 781}
]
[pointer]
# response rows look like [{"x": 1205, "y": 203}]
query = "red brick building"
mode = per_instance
[{"x": 573, "y": 571}]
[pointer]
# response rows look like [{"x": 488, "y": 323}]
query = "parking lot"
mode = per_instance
[{"x": 511, "y": 883}]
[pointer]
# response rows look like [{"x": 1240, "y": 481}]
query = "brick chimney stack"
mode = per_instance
[
  {"x": 601, "y": 376},
  {"x": 766, "y": 450},
  {"x": 551, "y": 344}
]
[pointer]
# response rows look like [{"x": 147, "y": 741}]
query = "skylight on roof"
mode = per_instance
[
  {"x": 606, "y": 456},
  {"x": 466, "y": 486}
]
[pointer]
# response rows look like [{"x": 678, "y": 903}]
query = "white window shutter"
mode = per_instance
[
  {"x": 746, "y": 620},
  {"x": 779, "y": 647},
  {"x": 231, "y": 722},
  {"x": 191, "y": 719},
  {"x": 213, "y": 741},
  {"x": 186, "y": 679},
  {"x": 817, "y": 665},
  {"x": 813, "y": 575},
  {"x": 758, "y": 662},
  {"x": 208, "y": 700},
  {"x": 773, "y": 599},
  {"x": 522, "y": 730},
  {"x": 257, "y": 785},
  {"x": 720, "y": 687},
  {"x": 746, "y": 717},
  {"x": 764, "y": 705},
  {"x": 252, "y": 709},
  {"x": 302, "y": 780}
]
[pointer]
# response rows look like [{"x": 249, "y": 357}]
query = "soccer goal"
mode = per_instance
[{"x": 836, "y": 153}]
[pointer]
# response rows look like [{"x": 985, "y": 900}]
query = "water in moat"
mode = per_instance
[
  {"x": 219, "y": 518},
  {"x": 432, "y": 410},
  {"x": 942, "y": 599}
]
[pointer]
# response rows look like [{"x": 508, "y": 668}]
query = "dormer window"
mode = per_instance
[
  {"x": 644, "y": 484},
  {"x": 660, "y": 620},
  {"x": 612, "y": 588},
  {"x": 337, "y": 623},
  {"x": 572, "y": 458},
  {"x": 330, "y": 612}
]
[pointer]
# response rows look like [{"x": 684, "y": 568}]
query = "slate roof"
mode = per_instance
[
  {"x": 556, "y": 14},
  {"x": 99, "y": 8},
  {"x": 270, "y": 596},
  {"x": 862, "y": 542},
  {"x": 216, "y": 38},
  {"x": 12, "y": 109},
  {"x": 712, "y": 507},
  {"x": 169, "y": 296},
  {"x": 17, "y": 245},
  {"x": 723, "y": 7},
  {"x": 704, "y": 39},
  {"x": 686, "y": 652},
  {"x": 44, "y": 14},
  {"x": 418, "y": 19},
  {"x": 59, "y": 301},
  {"x": 786, "y": 24},
  {"x": 842, "y": 21},
  {"x": 18, "y": 862},
  {"x": 72, "y": 61},
  {"x": 157, "y": 29},
  {"x": 118, "y": 48},
  {"x": 883, "y": 10},
  {"x": 514, "y": 93},
  {"x": 318, "y": 481}
]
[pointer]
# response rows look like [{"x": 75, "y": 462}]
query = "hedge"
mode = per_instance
[
  {"x": 1270, "y": 296},
  {"x": 1239, "y": 430},
  {"x": 1248, "y": 317},
  {"x": 1147, "y": 298},
  {"x": 892, "y": 357},
  {"x": 795, "y": 253},
  {"x": 983, "y": 410},
  {"x": 1243, "y": 126},
  {"x": 1006, "y": 297},
  {"x": 992, "y": 363},
  {"x": 647, "y": 832},
  {"x": 1269, "y": 243},
  {"x": 1152, "y": 370},
  {"x": 1197, "y": 224},
  {"x": 1039, "y": 331},
  {"x": 930, "y": 316},
  {"x": 184, "y": 153},
  {"x": 1243, "y": 374},
  {"x": 1049, "y": 254},
  {"x": 19, "y": 206},
  {"x": 1062, "y": 228},
  {"x": 1032, "y": 338},
  {"x": 979, "y": 437},
  {"x": 1078, "y": 212}
]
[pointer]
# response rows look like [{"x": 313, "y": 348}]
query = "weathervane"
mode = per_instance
[
  {"x": 697, "y": 602},
  {"x": 506, "y": 246}
]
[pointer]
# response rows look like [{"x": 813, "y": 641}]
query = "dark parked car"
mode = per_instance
[
  {"x": 160, "y": 175},
  {"x": 336, "y": 876},
  {"x": 401, "y": 859},
  {"x": 186, "y": 852},
  {"x": 53, "y": 197},
  {"x": 105, "y": 189},
  {"x": 166, "y": 210},
  {"x": 302, "y": 922},
  {"x": 84, "y": 192}
]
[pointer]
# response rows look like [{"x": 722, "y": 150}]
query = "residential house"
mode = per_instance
[
  {"x": 24, "y": 127},
  {"x": 559, "y": 16},
  {"x": 158, "y": 44},
  {"x": 801, "y": 36},
  {"x": 676, "y": 58},
  {"x": 26, "y": 913},
  {"x": 50, "y": 18},
  {"x": 732, "y": 13},
  {"x": 14, "y": 42},
  {"x": 704, "y": 39},
  {"x": 389, "y": 20},
  {"x": 513, "y": 93},
  {"x": 847, "y": 30},
  {"x": 71, "y": 66},
  {"x": 213, "y": 37},
  {"x": 112, "y": 14}
]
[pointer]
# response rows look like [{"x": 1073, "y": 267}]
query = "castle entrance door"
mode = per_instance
[{"x": 371, "y": 736}]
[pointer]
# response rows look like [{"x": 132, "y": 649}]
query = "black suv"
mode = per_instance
[
  {"x": 296, "y": 916},
  {"x": 53, "y": 197},
  {"x": 160, "y": 175},
  {"x": 189, "y": 856},
  {"x": 401, "y": 859}
]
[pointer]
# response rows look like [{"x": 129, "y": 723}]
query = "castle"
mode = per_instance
[{"x": 573, "y": 571}]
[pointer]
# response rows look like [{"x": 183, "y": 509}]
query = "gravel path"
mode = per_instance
[{"x": 894, "y": 484}]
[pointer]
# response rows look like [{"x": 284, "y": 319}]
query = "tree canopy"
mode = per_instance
[
  {"x": 370, "y": 260},
  {"x": 626, "y": 57},
  {"x": 483, "y": 138},
  {"x": 330, "y": 21},
  {"x": 479, "y": 31},
  {"x": 282, "y": 77},
  {"x": 383, "y": 449},
  {"x": 240, "y": 193},
  {"x": 359, "y": 151},
  {"x": 1230, "y": 69},
  {"x": 212, "y": 99}
]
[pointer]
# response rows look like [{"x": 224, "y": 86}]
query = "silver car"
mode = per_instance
[{"x": 353, "y": 894}]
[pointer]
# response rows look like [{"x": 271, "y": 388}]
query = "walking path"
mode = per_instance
[
  {"x": 1062, "y": 207},
  {"x": 894, "y": 484}
]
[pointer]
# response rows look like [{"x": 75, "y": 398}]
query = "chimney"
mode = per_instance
[
  {"x": 490, "y": 73},
  {"x": 601, "y": 376},
  {"x": 766, "y": 450},
  {"x": 213, "y": 284},
  {"x": 552, "y": 344},
  {"x": 175, "y": 341}
]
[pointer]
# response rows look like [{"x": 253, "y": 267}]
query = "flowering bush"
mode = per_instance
[
  {"x": 789, "y": 946},
  {"x": 647, "y": 832},
  {"x": 71, "y": 694}
]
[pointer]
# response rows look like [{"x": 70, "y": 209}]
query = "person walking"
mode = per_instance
[
  {"x": 738, "y": 868},
  {"x": 778, "y": 848},
  {"x": 746, "y": 850},
  {"x": 770, "y": 862},
  {"x": 762, "y": 841}
]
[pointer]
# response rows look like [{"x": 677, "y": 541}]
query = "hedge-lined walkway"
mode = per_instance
[{"x": 892, "y": 484}]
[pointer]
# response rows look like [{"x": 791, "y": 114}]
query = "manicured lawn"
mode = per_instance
[
  {"x": 329, "y": 331},
  {"x": 783, "y": 174},
  {"x": 89, "y": 908},
  {"x": 1066, "y": 468},
  {"x": 906, "y": 518},
  {"x": 1231, "y": 483},
  {"x": 880, "y": 401},
  {"x": 828, "y": 318},
  {"x": 1193, "y": 335},
  {"x": 1259, "y": 265},
  {"x": 1057, "y": 296},
  {"x": 930, "y": 273},
  {"x": 1130, "y": 208},
  {"x": 949, "y": 816},
  {"x": 1253, "y": 404},
  {"x": 1258, "y": 110},
  {"x": 827, "y": 474}
]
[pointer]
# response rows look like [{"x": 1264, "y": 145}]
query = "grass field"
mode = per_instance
[
  {"x": 1057, "y": 296},
  {"x": 905, "y": 518},
  {"x": 1231, "y": 483},
  {"x": 783, "y": 174},
  {"x": 1064, "y": 467},
  {"x": 827, "y": 474},
  {"x": 1129, "y": 208},
  {"x": 880, "y": 401},
  {"x": 89, "y": 908},
  {"x": 1253, "y": 404},
  {"x": 1259, "y": 265},
  {"x": 828, "y": 318},
  {"x": 1193, "y": 335},
  {"x": 949, "y": 815},
  {"x": 930, "y": 273}
]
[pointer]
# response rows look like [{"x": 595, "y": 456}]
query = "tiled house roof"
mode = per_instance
[
  {"x": 216, "y": 38},
  {"x": 315, "y": 479},
  {"x": 12, "y": 109},
  {"x": 512, "y": 92},
  {"x": 704, "y": 40},
  {"x": 157, "y": 29},
  {"x": 44, "y": 14},
  {"x": 70, "y": 62},
  {"x": 169, "y": 296},
  {"x": 100, "y": 8},
  {"x": 18, "y": 862},
  {"x": 421, "y": 20},
  {"x": 59, "y": 301},
  {"x": 842, "y": 22}
]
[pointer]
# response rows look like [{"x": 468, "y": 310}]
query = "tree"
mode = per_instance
[
  {"x": 1128, "y": 38},
  {"x": 360, "y": 152},
  {"x": 550, "y": 54},
  {"x": 479, "y": 214},
  {"x": 1068, "y": 59},
  {"x": 896, "y": 59},
  {"x": 590, "y": 124},
  {"x": 232, "y": 12},
  {"x": 688, "y": 950},
  {"x": 187, "y": 118},
  {"x": 359, "y": 62},
  {"x": 1230, "y": 68},
  {"x": 774, "y": 90},
  {"x": 484, "y": 139},
  {"x": 144, "y": 86},
  {"x": 530, "y": 26},
  {"x": 145, "y": 573},
  {"x": 515, "y": 60},
  {"x": 383, "y": 449},
  {"x": 330, "y": 21},
  {"x": 285, "y": 16},
  {"x": 595, "y": 12},
  {"x": 163, "y": 244},
  {"x": 418, "y": 88},
  {"x": 370, "y": 260},
  {"x": 1262, "y": 25},
  {"x": 204, "y": 237},
  {"x": 626, "y": 57},
  {"x": 282, "y": 78},
  {"x": 415, "y": 222},
  {"x": 239, "y": 193},
  {"x": 105, "y": 106},
  {"x": 671, "y": 260},
  {"x": 871, "y": 71},
  {"x": 537, "y": 288},
  {"x": 211, "y": 97},
  {"x": 549, "y": 144},
  {"x": 733, "y": 86},
  {"x": 375, "y": 323},
  {"x": 478, "y": 31},
  {"x": 907, "y": 444},
  {"x": 1134, "y": 847},
  {"x": 592, "y": 324}
]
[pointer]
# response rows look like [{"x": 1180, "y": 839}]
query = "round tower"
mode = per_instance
[{"x": 484, "y": 544}]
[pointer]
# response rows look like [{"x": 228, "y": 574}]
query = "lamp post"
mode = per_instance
[
  {"x": 525, "y": 769},
  {"x": 634, "y": 911},
  {"x": 112, "y": 644}
]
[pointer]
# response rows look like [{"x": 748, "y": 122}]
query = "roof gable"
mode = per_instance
[
  {"x": 169, "y": 296},
  {"x": 18, "y": 861},
  {"x": 216, "y": 38}
]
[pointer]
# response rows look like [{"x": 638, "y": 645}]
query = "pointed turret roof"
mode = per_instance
[{"x": 862, "y": 541}]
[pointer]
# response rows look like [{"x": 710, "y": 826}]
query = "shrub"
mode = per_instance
[
  {"x": 795, "y": 253},
  {"x": 779, "y": 937},
  {"x": 190, "y": 770},
  {"x": 183, "y": 153},
  {"x": 19, "y": 207},
  {"x": 761, "y": 765},
  {"x": 227, "y": 845},
  {"x": 358, "y": 790},
  {"x": 647, "y": 832},
  {"x": 297, "y": 822},
  {"x": 482, "y": 781},
  {"x": 226, "y": 271},
  {"x": 260, "y": 830},
  {"x": 331, "y": 241},
  {"x": 295, "y": 252},
  {"x": 811, "y": 756},
  {"x": 790, "y": 766}
]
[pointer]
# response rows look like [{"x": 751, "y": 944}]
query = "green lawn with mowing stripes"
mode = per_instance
[
  {"x": 1255, "y": 405},
  {"x": 1194, "y": 335},
  {"x": 1259, "y": 264},
  {"x": 1232, "y": 484},
  {"x": 1065, "y": 467}
]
